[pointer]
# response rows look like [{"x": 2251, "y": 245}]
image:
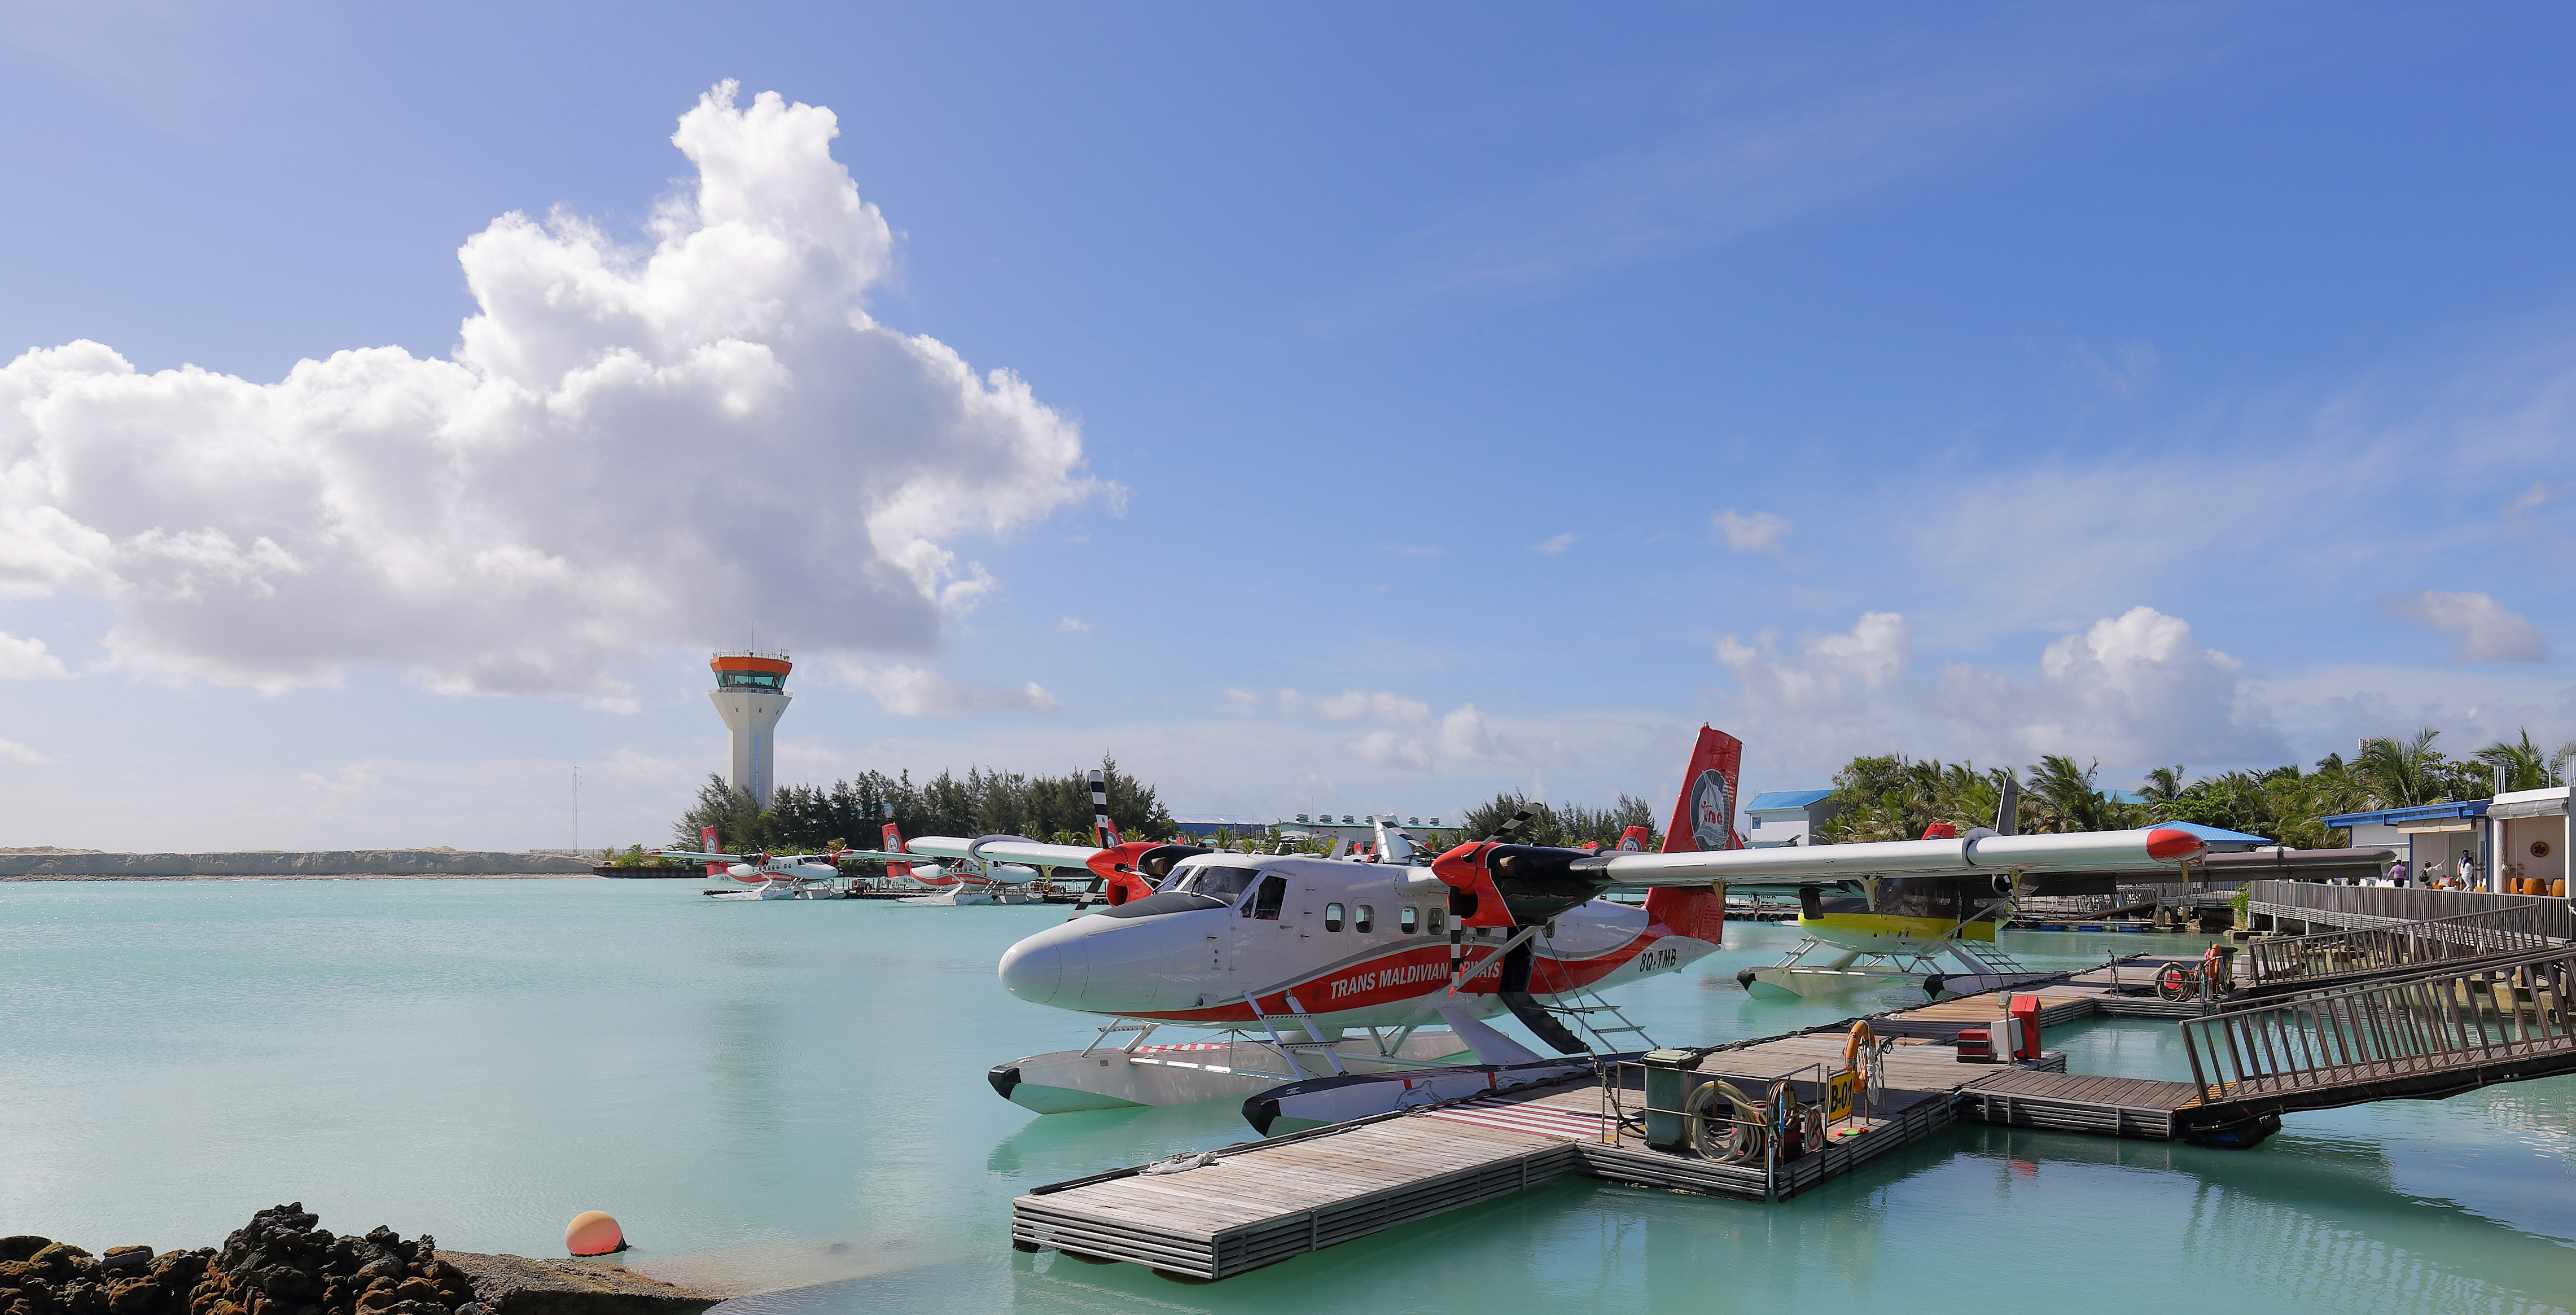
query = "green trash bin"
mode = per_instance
[{"x": 1668, "y": 1081}]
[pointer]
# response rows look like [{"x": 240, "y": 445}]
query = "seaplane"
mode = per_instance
[
  {"x": 771, "y": 876},
  {"x": 999, "y": 869},
  {"x": 1326, "y": 982}
]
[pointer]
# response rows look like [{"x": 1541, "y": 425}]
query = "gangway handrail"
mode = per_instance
[
  {"x": 2429, "y": 1033},
  {"x": 2334, "y": 954}
]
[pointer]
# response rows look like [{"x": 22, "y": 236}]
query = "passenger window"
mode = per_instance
[
  {"x": 1266, "y": 901},
  {"x": 1366, "y": 920},
  {"x": 1332, "y": 917},
  {"x": 1437, "y": 915},
  {"x": 1409, "y": 921}
]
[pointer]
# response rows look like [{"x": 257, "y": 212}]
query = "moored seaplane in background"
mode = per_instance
[
  {"x": 998, "y": 869},
  {"x": 1905, "y": 906},
  {"x": 1323, "y": 978},
  {"x": 771, "y": 876}
]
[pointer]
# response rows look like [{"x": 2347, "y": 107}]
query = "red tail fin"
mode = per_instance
[
  {"x": 894, "y": 845},
  {"x": 707, "y": 844},
  {"x": 1703, "y": 819},
  {"x": 1634, "y": 839}
]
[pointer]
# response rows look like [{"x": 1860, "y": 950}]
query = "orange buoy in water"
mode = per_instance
[{"x": 593, "y": 1233}]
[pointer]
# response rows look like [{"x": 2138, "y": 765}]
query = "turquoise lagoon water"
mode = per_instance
[{"x": 482, "y": 1059}]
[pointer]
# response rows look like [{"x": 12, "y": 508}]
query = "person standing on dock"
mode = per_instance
[
  {"x": 2397, "y": 874},
  {"x": 2468, "y": 872}
]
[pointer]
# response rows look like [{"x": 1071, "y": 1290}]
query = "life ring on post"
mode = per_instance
[{"x": 1861, "y": 1041}]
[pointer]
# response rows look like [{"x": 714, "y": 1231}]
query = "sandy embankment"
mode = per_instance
[{"x": 76, "y": 865}]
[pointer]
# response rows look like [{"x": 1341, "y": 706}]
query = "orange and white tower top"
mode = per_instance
[{"x": 751, "y": 694}]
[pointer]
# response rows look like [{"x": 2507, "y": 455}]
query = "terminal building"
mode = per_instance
[
  {"x": 751, "y": 695},
  {"x": 2519, "y": 838}
]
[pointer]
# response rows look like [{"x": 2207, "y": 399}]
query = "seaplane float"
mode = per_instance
[{"x": 1323, "y": 989}]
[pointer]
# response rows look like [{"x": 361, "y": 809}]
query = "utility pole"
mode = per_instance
[{"x": 576, "y": 811}]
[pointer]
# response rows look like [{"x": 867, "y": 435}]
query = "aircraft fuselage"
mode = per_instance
[{"x": 1350, "y": 944}]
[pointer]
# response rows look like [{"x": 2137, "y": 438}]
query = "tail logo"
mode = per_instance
[{"x": 1712, "y": 807}]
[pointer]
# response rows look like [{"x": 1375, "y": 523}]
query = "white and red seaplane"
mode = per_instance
[
  {"x": 771, "y": 876},
  {"x": 1326, "y": 981}
]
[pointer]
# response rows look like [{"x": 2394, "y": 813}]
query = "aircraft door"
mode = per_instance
[{"x": 1254, "y": 954}]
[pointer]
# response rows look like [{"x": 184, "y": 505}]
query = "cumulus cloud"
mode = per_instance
[
  {"x": 914, "y": 692},
  {"x": 1472, "y": 737},
  {"x": 2131, "y": 689},
  {"x": 1830, "y": 673},
  {"x": 1073, "y": 627},
  {"x": 1384, "y": 749},
  {"x": 13, "y": 752},
  {"x": 1758, "y": 532},
  {"x": 2481, "y": 628},
  {"x": 26, "y": 659},
  {"x": 629, "y": 448},
  {"x": 1551, "y": 547},
  {"x": 1352, "y": 703}
]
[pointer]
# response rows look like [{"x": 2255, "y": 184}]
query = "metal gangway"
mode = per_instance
[
  {"x": 2269, "y": 967},
  {"x": 2432, "y": 1034}
]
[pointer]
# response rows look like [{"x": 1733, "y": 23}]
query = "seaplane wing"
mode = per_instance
[
  {"x": 1528, "y": 883},
  {"x": 1967, "y": 856},
  {"x": 1003, "y": 849}
]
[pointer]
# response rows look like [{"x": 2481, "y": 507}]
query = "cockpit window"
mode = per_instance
[
  {"x": 1211, "y": 879},
  {"x": 1274, "y": 892}
]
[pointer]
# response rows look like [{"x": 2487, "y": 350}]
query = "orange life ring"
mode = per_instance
[{"x": 1861, "y": 1038}]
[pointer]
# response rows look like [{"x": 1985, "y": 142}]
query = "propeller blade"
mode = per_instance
[
  {"x": 2008, "y": 809},
  {"x": 1520, "y": 818}
]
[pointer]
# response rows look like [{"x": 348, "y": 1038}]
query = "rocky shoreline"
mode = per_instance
[{"x": 282, "y": 1264}]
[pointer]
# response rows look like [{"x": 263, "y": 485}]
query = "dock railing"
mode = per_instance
[
  {"x": 2369, "y": 906},
  {"x": 2271, "y": 963},
  {"x": 1742, "y": 1131},
  {"x": 2426, "y": 1036}
]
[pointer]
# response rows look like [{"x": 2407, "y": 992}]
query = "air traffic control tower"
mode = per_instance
[{"x": 751, "y": 695}]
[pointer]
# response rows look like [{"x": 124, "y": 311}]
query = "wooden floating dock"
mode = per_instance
[
  {"x": 2470, "y": 1022},
  {"x": 1265, "y": 1202},
  {"x": 2112, "y": 1107}
]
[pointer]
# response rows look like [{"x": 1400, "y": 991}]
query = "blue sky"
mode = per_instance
[{"x": 1400, "y": 406}]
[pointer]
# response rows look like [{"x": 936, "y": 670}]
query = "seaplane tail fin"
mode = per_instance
[
  {"x": 1103, "y": 830},
  {"x": 894, "y": 845},
  {"x": 1703, "y": 819},
  {"x": 707, "y": 843},
  {"x": 1633, "y": 840},
  {"x": 1704, "y": 814}
]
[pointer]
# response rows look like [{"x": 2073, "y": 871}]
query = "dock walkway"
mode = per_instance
[{"x": 2433, "y": 1033}]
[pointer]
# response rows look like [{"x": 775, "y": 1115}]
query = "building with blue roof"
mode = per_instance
[
  {"x": 2434, "y": 836},
  {"x": 1789, "y": 817}
]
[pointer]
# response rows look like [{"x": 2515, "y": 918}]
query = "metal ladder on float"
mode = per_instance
[
  {"x": 1581, "y": 1016},
  {"x": 1288, "y": 1049},
  {"x": 1588, "y": 1002}
]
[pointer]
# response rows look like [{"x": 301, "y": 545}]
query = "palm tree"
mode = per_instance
[
  {"x": 2067, "y": 798},
  {"x": 2525, "y": 767},
  {"x": 2400, "y": 774},
  {"x": 2163, "y": 790}
]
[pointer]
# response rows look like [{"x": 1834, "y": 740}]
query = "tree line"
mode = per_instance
[
  {"x": 1570, "y": 825},
  {"x": 850, "y": 814},
  {"x": 1893, "y": 797}
]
